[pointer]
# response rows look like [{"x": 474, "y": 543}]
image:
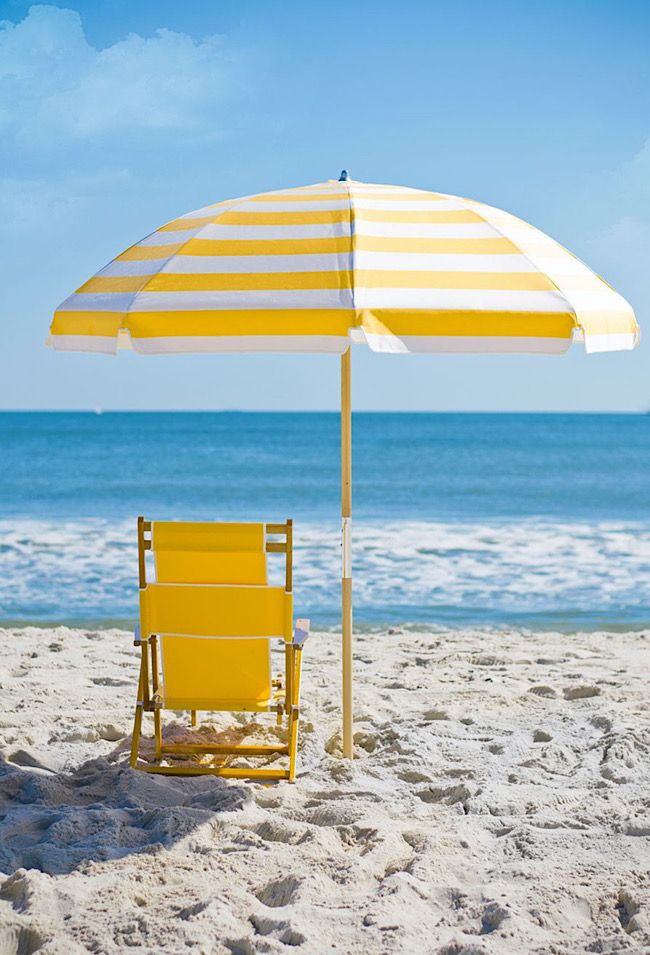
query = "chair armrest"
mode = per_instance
[{"x": 301, "y": 632}]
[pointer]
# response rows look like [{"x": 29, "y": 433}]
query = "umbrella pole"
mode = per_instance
[{"x": 346, "y": 577}]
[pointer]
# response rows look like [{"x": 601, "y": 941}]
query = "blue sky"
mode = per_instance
[{"x": 116, "y": 116}]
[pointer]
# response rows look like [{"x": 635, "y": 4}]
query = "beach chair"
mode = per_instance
[
  {"x": 205, "y": 638},
  {"x": 208, "y": 552}
]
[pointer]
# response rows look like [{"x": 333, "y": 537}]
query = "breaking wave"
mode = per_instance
[{"x": 533, "y": 572}]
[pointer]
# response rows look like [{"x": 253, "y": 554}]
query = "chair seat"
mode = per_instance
[{"x": 215, "y": 673}]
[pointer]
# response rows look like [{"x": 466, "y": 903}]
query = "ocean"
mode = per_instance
[{"x": 535, "y": 520}]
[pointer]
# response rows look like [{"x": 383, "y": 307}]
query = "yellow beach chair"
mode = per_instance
[
  {"x": 206, "y": 626},
  {"x": 192, "y": 552}
]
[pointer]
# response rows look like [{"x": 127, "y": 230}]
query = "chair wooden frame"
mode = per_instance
[{"x": 286, "y": 694}]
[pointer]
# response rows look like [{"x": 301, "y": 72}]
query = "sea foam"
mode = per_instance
[{"x": 535, "y": 572}]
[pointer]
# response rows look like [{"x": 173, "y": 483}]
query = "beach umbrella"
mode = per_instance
[{"x": 317, "y": 267}]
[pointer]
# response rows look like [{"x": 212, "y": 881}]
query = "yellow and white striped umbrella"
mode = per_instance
[{"x": 307, "y": 269}]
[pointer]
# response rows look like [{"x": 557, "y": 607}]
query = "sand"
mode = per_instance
[{"x": 499, "y": 803}]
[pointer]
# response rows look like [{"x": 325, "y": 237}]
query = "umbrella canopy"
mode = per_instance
[
  {"x": 301, "y": 269},
  {"x": 312, "y": 269}
]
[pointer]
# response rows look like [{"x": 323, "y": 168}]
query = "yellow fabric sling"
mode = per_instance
[{"x": 200, "y": 553}]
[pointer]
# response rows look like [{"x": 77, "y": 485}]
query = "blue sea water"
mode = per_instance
[{"x": 474, "y": 519}]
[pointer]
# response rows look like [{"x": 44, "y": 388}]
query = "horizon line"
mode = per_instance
[{"x": 98, "y": 411}]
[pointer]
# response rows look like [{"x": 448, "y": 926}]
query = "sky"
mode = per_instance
[{"x": 118, "y": 115}]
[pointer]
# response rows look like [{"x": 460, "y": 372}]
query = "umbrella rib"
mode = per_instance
[
  {"x": 163, "y": 262},
  {"x": 482, "y": 206},
  {"x": 353, "y": 246},
  {"x": 197, "y": 235}
]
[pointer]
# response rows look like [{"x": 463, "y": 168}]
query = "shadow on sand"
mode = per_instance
[{"x": 56, "y": 821}]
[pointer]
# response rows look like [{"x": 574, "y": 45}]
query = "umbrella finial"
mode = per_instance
[{"x": 345, "y": 175}]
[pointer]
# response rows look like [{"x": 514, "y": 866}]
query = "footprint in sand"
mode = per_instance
[
  {"x": 630, "y": 916},
  {"x": 620, "y": 757},
  {"x": 461, "y": 948},
  {"x": 21, "y": 757},
  {"x": 367, "y": 741},
  {"x": 631, "y": 829},
  {"x": 364, "y": 839},
  {"x": 109, "y": 681},
  {"x": 448, "y": 795},
  {"x": 279, "y": 929},
  {"x": 431, "y": 715},
  {"x": 554, "y": 759},
  {"x": 329, "y": 816},
  {"x": 493, "y": 916},
  {"x": 543, "y": 690},
  {"x": 81, "y": 735},
  {"x": 19, "y": 940},
  {"x": 541, "y": 736},
  {"x": 416, "y": 840},
  {"x": 602, "y": 723},
  {"x": 581, "y": 692},
  {"x": 279, "y": 892},
  {"x": 284, "y": 832},
  {"x": 461, "y": 772},
  {"x": 414, "y": 776},
  {"x": 497, "y": 749}
]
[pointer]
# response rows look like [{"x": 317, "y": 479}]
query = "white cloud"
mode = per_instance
[{"x": 56, "y": 87}]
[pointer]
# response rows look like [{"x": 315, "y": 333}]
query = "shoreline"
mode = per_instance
[
  {"x": 383, "y": 627},
  {"x": 498, "y": 803}
]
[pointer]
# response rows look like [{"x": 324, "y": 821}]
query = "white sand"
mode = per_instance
[{"x": 499, "y": 803}]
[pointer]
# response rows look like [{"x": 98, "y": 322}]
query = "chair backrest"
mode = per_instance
[
  {"x": 209, "y": 553},
  {"x": 215, "y": 641},
  {"x": 213, "y": 553}
]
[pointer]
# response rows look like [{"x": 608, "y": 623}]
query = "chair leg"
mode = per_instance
[
  {"x": 137, "y": 722},
  {"x": 156, "y": 686},
  {"x": 157, "y": 722},
  {"x": 294, "y": 715},
  {"x": 294, "y": 720},
  {"x": 195, "y": 718},
  {"x": 135, "y": 739}
]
